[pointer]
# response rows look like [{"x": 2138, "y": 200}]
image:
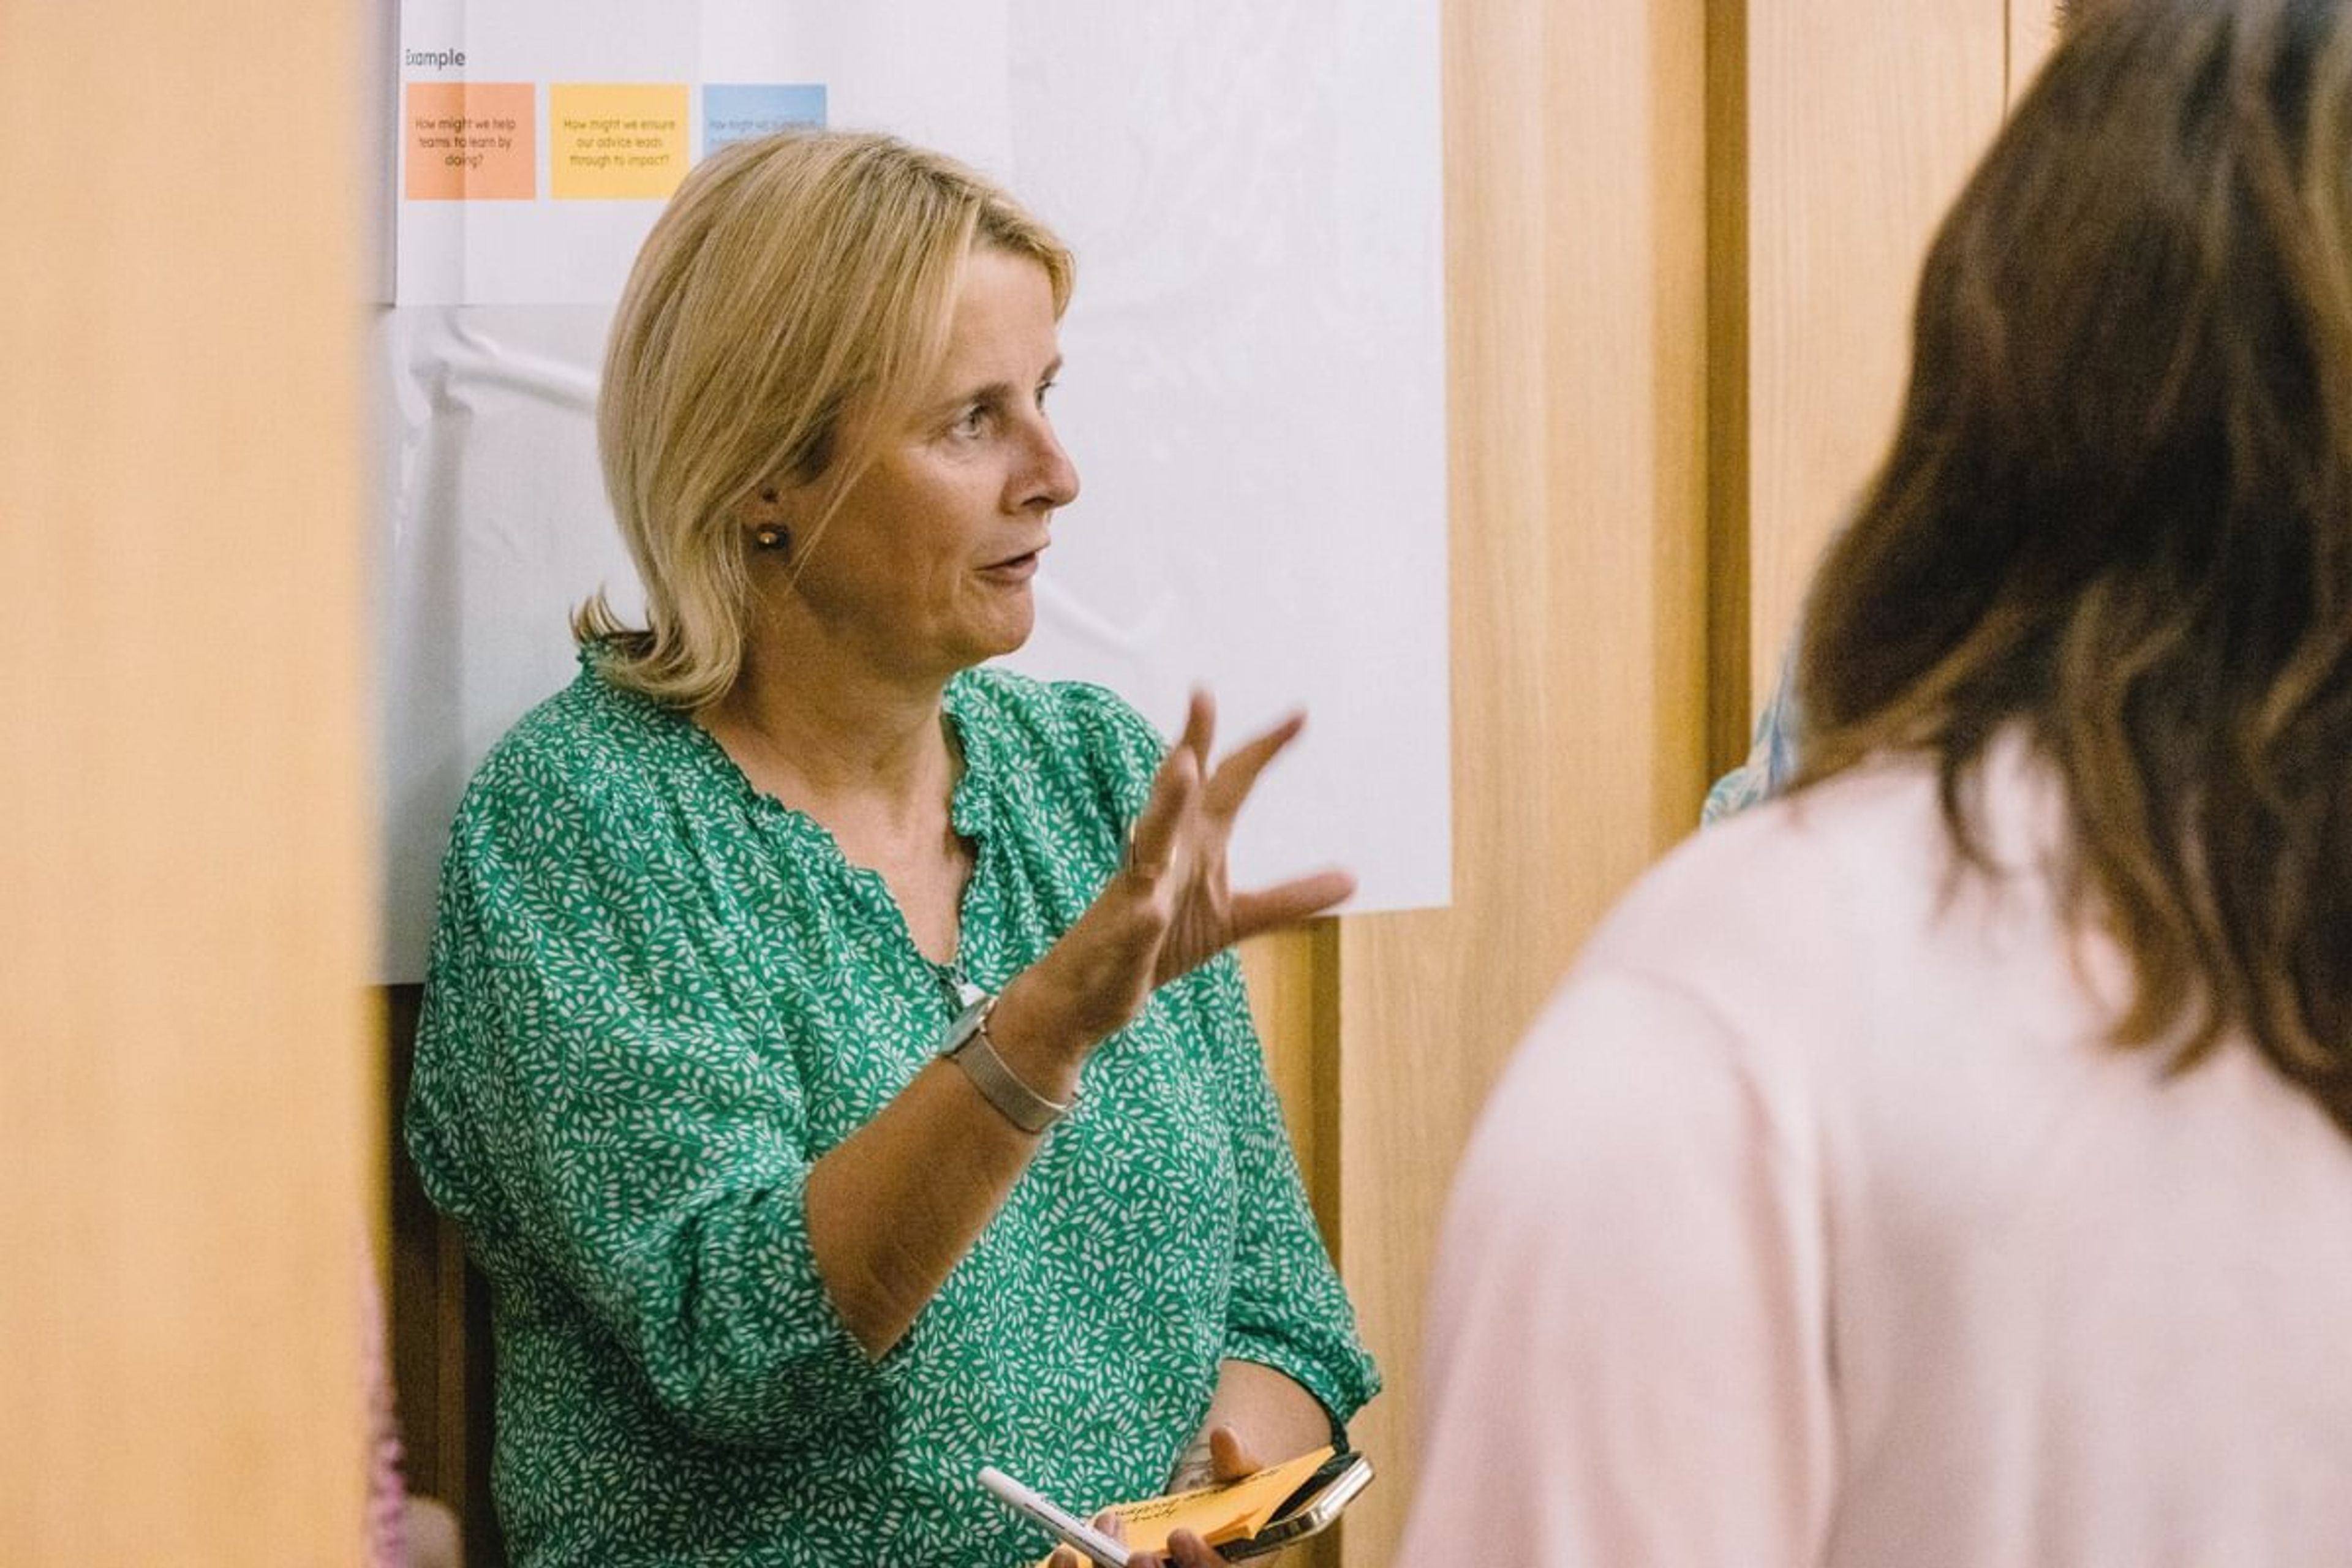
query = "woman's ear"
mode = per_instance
[{"x": 763, "y": 515}]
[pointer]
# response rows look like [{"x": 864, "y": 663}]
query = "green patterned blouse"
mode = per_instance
[{"x": 655, "y": 996}]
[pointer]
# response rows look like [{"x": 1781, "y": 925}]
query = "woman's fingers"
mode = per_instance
[
  {"x": 1176, "y": 850},
  {"x": 1152, "y": 842},
  {"x": 1199, "y": 727},
  {"x": 1110, "y": 1522},
  {"x": 1234, "y": 778},
  {"x": 1223, "y": 789},
  {"x": 1302, "y": 899},
  {"x": 1187, "y": 1549},
  {"x": 1229, "y": 1458},
  {"x": 1107, "y": 1521}
]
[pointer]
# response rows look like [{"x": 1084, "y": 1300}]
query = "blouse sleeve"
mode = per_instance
[
  {"x": 1627, "y": 1345},
  {"x": 1772, "y": 760},
  {"x": 1289, "y": 1310},
  {"x": 608, "y": 1120}
]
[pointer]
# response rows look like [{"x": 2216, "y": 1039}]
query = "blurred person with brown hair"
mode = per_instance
[{"x": 1950, "y": 1162}]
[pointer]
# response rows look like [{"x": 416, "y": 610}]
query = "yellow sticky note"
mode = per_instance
[
  {"x": 615, "y": 141},
  {"x": 1230, "y": 1510}
]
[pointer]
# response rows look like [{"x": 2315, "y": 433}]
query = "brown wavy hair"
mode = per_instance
[{"x": 2117, "y": 514}]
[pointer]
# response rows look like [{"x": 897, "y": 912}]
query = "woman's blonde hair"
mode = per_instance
[
  {"x": 2117, "y": 514},
  {"x": 795, "y": 294}
]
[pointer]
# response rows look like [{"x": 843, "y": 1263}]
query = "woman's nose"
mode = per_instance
[{"x": 1052, "y": 481}]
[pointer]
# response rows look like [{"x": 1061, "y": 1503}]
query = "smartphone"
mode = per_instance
[{"x": 1316, "y": 1503}]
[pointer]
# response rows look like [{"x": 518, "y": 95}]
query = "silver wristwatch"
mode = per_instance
[{"x": 968, "y": 1045}]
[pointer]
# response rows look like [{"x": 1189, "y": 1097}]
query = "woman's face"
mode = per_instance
[{"x": 926, "y": 568}]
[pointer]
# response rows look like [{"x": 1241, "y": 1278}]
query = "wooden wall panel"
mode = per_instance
[
  {"x": 1575, "y": 218},
  {"x": 187, "y": 1073},
  {"x": 2032, "y": 34},
  {"x": 1863, "y": 118},
  {"x": 1730, "y": 716},
  {"x": 1293, "y": 978}
]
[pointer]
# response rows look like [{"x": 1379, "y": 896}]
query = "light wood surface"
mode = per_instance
[
  {"x": 1576, "y": 255},
  {"x": 1730, "y": 719},
  {"x": 2032, "y": 34},
  {"x": 187, "y": 1096},
  {"x": 1293, "y": 977},
  {"x": 1863, "y": 118}
]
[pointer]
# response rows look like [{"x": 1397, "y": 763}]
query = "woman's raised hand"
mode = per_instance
[
  {"x": 1170, "y": 908},
  {"x": 1176, "y": 855}
]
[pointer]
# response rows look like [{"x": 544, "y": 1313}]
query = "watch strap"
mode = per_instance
[{"x": 968, "y": 1045}]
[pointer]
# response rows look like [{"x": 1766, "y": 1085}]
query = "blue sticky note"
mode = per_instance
[{"x": 740, "y": 111}]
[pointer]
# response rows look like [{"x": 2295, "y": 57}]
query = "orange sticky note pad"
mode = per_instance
[{"x": 470, "y": 140}]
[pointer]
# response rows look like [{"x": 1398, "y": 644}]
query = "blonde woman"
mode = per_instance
[{"x": 830, "y": 1045}]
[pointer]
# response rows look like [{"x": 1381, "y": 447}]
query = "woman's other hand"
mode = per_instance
[
  {"x": 1218, "y": 1457},
  {"x": 1170, "y": 908},
  {"x": 1111, "y": 1524},
  {"x": 1185, "y": 1550},
  {"x": 1228, "y": 1460}
]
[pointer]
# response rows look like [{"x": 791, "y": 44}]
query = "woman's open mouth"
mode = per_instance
[{"x": 1014, "y": 568}]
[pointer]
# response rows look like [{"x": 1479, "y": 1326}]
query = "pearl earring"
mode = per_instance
[{"x": 770, "y": 535}]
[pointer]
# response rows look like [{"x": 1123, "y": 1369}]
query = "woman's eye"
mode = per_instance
[
  {"x": 1043, "y": 388},
  {"x": 972, "y": 421}
]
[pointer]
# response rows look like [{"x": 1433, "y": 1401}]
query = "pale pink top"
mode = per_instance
[{"x": 1814, "y": 1223}]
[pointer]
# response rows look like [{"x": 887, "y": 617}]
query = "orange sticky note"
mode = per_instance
[{"x": 470, "y": 142}]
